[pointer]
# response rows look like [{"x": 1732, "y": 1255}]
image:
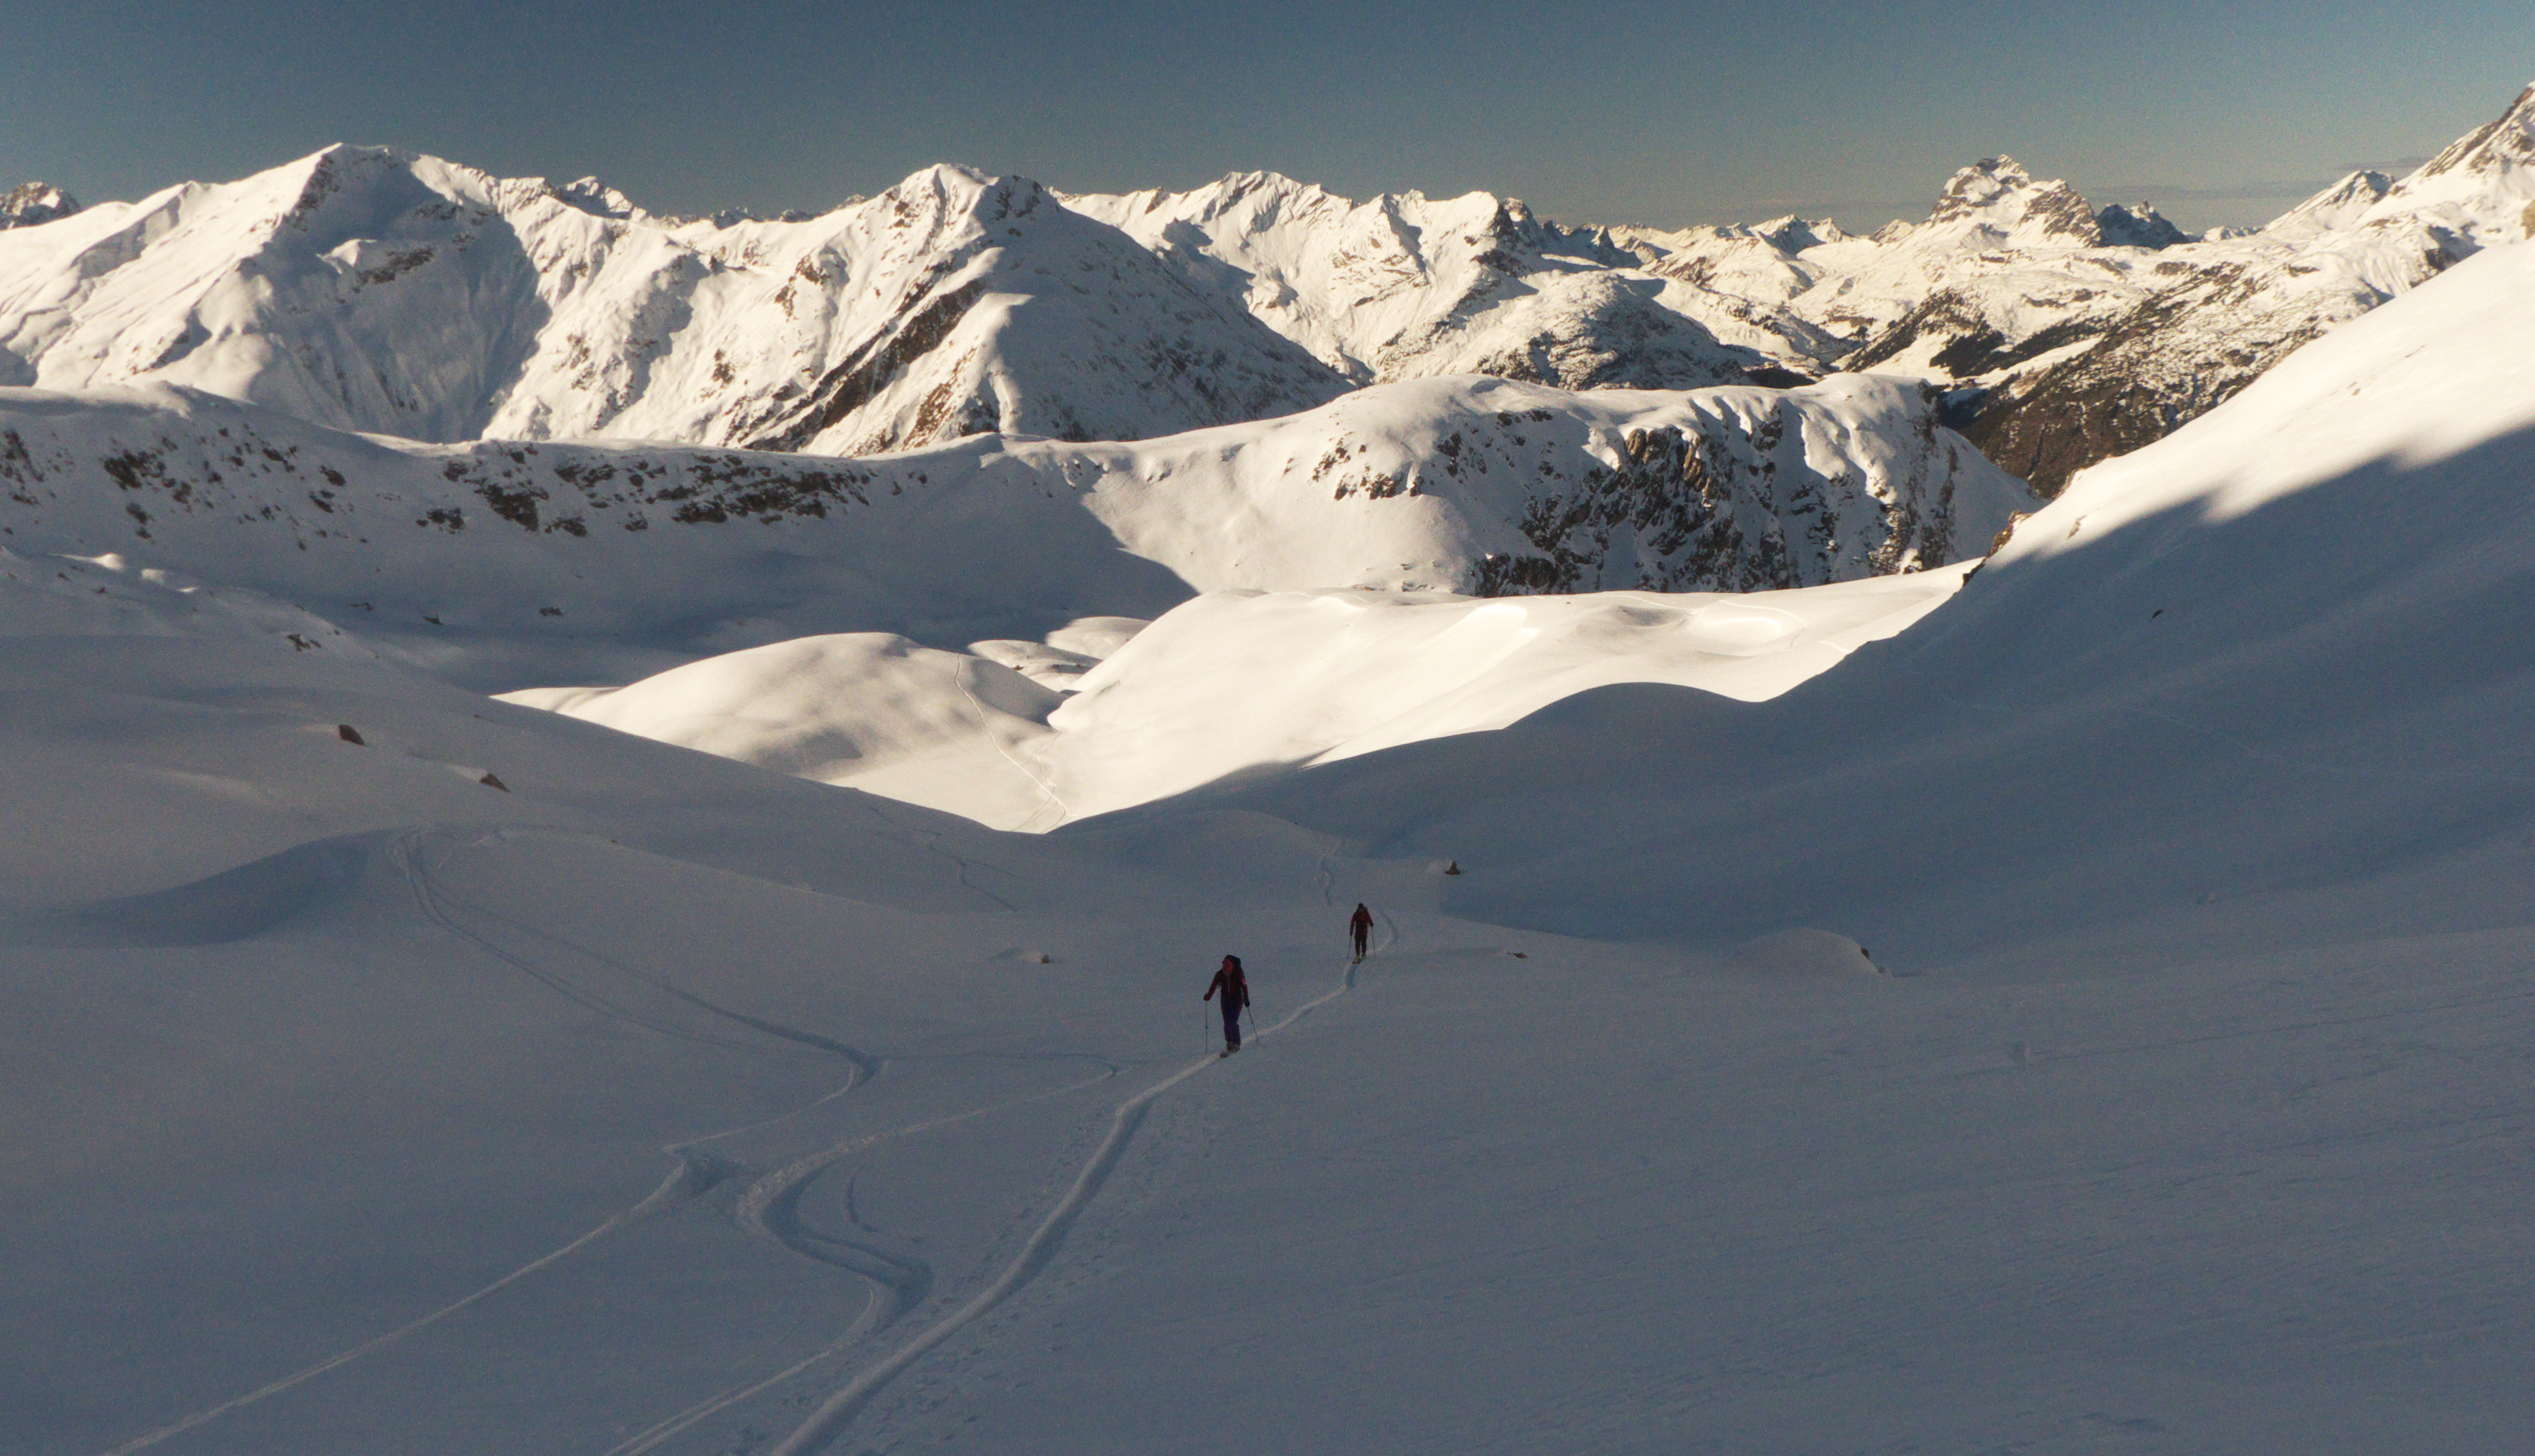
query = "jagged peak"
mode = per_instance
[
  {"x": 1794, "y": 234},
  {"x": 2143, "y": 226},
  {"x": 1998, "y": 193},
  {"x": 1976, "y": 187}
]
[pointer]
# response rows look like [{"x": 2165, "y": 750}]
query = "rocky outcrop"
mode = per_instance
[{"x": 31, "y": 202}]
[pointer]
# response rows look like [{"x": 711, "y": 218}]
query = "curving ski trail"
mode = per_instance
[
  {"x": 694, "y": 1174},
  {"x": 836, "y": 1413},
  {"x": 689, "y": 1180}
]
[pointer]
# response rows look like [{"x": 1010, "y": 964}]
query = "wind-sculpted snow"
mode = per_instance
[
  {"x": 375, "y": 290},
  {"x": 469, "y": 555}
]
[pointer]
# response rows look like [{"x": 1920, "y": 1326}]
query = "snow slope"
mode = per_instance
[
  {"x": 377, "y": 290},
  {"x": 1231, "y": 685},
  {"x": 663, "y": 1104},
  {"x": 2284, "y": 635},
  {"x": 512, "y": 563}
]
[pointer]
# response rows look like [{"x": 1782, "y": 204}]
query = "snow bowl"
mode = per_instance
[{"x": 1803, "y": 952}]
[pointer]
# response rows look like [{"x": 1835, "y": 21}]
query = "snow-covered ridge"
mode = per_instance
[
  {"x": 1405, "y": 286},
  {"x": 1476, "y": 485},
  {"x": 375, "y": 290}
]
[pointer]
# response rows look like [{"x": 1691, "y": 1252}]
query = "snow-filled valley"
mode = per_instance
[{"x": 680, "y": 928}]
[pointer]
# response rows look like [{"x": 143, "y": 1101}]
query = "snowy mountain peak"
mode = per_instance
[
  {"x": 380, "y": 290},
  {"x": 2481, "y": 189},
  {"x": 1792, "y": 234},
  {"x": 1403, "y": 285},
  {"x": 1997, "y": 201},
  {"x": 31, "y": 202}
]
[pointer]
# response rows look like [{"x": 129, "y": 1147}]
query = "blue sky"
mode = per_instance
[{"x": 1662, "y": 113}]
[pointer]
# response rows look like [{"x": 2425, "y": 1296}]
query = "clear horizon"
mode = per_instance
[{"x": 1618, "y": 113}]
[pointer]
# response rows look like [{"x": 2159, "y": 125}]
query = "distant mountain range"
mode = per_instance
[{"x": 370, "y": 290}]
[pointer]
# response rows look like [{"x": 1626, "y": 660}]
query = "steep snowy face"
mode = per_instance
[
  {"x": 1405, "y": 287},
  {"x": 31, "y": 202},
  {"x": 2234, "y": 309},
  {"x": 2338, "y": 206},
  {"x": 374, "y": 290},
  {"x": 481, "y": 558},
  {"x": 356, "y": 287},
  {"x": 953, "y": 304}
]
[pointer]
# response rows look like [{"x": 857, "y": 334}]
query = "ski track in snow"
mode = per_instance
[
  {"x": 839, "y": 1411},
  {"x": 986, "y": 727},
  {"x": 932, "y": 839},
  {"x": 766, "y": 1209},
  {"x": 680, "y": 1186}
]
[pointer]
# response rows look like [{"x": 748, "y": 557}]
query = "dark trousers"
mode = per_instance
[
  {"x": 1362, "y": 935},
  {"x": 1232, "y": 1022}
]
